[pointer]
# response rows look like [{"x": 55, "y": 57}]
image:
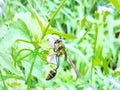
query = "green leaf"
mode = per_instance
[
  {"x": 9, "y": 38},
  {"x": 36, "y": 15},
  {"x": 83, "y": 22},
  {"x": 37, "y": 69},
  {"x": 67, "y": 36},
  {"x": 96, "y": 62},
  {"x": 30, "y": 22},
  {"x": 5, "y": 61},
  {"x": 20, "y": 25},
  {"x": 105, "y": 66},
  {"x": 116, "y": 3}
]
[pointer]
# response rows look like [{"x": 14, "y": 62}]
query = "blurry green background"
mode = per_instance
[{"x": 90, "y": 30}]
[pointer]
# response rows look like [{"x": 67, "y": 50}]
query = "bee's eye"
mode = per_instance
[{"x": 58, "y": 41}]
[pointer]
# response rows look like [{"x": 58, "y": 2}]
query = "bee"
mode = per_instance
[{"x": 59, "y": 49}]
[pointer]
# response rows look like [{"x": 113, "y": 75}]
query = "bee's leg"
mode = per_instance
[
  {"x": 51, "y": 63},
  {"x": 65, "y": 55}
]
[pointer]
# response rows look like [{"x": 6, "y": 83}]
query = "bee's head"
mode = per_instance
[{"x": 57, "y": 41}]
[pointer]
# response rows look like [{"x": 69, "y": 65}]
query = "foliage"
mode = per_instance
[{"x": 91, "y": 37}]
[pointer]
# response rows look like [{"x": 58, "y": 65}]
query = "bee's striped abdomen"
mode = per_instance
[{"x": 51, "y": 74}]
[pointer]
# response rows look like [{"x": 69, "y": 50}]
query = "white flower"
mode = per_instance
[
  {"x": 1, "y": 2},
  {"x": 115, "y": 83},
  {"x": 88, "y": 88},
  {"x": 117, "y": 70},
  {"x": 1, "y": 7},
  {"x": 105, "y": 8},
  {"x": 1, "y": 11}
]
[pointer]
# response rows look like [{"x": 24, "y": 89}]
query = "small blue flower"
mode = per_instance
[{"x": 105, "y": 8}]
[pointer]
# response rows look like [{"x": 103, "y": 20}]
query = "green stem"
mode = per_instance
[
  {"x": 15, "y": 59},
  {"x": 23, "y": 57},
  {"x": 9, "y": 10},
  {"x": 96, "y": 40},
  {"x": 95, "y": 48},
  {"x": 21, "y": 40},
  {"x": 83, "y": 37},
  {"x": 51, "y": 20},
  {"x": 31, "y": 68},
  {"x": 30, "y": 73},
  {"x": 5, "y": 87},
  {"x": 22, "y": 51}
]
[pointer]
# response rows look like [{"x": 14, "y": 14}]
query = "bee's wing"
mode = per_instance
[
  {"x": 74, "y": 67},
  {"x": 51, "y": 59}
]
